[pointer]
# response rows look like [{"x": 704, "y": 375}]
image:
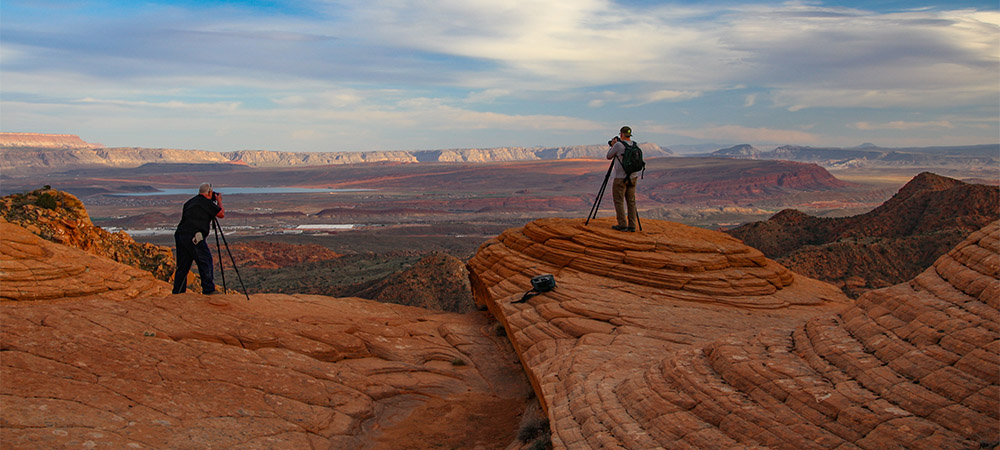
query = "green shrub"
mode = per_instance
[{"x": 47, "y": 201}]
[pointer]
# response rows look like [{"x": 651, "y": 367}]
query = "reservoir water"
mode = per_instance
[{"x": 244, "y": 190}]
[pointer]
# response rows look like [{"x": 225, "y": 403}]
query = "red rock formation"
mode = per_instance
[
  {"x": 272, "y": 255},
  {"x": 33, "y": 269},
  {"x": 61, "y": 217},
  {"x": 86, "y": 369},
  {"x": 438, "y": 282},
  {"x": 913, "y": 366},
  {"x": 892, "y": 243},
  {"x": 628, "y": 297}
]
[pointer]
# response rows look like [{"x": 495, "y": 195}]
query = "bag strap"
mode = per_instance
[{"x": 526, "y": 296}]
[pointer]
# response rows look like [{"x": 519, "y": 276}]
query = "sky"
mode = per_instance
[{"x": 362, "y": 75}]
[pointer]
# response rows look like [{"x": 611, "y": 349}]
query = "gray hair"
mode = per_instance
[{"x": 204, "y": 188}]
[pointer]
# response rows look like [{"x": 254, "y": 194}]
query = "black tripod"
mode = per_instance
[
  {"x": 600, "y": 195},
  {"x": 218, "y": 232}
]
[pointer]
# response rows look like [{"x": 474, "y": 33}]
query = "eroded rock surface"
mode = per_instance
[
  {"x": 912, "y": 366},
  {"x": 628, "y": 299},
  {"x": 121, "y": 365},
  {"x": 62, "y": 218},
  {"x": 34, "y": 269}
]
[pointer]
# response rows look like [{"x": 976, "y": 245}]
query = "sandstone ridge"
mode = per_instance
[
  {"x": 34, "y": 269},
  {"x": 638, "y": 294},
  {"x": 915, "y": 365},
  {"x": 95, "y": 354},
  {"x": 62, "y": 218}
]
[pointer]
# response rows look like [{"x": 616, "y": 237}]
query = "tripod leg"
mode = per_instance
[
  {"x": 600, "y": 195},
  {"x": 232, "y": 260},
  {"x": 218, "y": 249},
  {"x": 597, "y": 202}
]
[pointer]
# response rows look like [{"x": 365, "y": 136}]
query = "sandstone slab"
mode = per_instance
[
  {"x": 127, "y": 366},
  {"x": 912, "y": 366}
]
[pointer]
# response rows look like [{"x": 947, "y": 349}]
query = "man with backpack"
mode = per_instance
[{"x": 627, "y": 164}]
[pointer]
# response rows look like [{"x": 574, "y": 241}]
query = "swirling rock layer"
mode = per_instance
[
  {"x": 913, "y": 366},
  {"x": 628, "y": 297},
  {"x": 34, "y": 269},
  {"x": 109, "y": 361}
]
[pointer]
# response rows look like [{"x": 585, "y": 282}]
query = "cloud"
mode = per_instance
[
  {"x": 497, "y": 66},
  {"x": 901, "y": 125},
  {"x": 666, "y": 96},
  {"x": 738, "y": 133},
  {"x": 487, "y": 96}
]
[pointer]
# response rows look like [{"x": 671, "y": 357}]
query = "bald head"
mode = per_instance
[{"x": 205, "y": 188}]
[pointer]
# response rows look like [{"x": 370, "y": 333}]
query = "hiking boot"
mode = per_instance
[
  {"x": 215, "y": 292},
  {"x": 631, "y": 229},
  {"x": 619, "y": 227}
]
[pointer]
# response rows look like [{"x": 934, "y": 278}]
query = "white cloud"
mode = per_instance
[
  {"x": 412, "y": 66},
  {"x": 902, "y": 125},
  {"x": 487, "y": 96},
  {"x": 738, "y": 133},
  {"x": 666, "y": 96}
]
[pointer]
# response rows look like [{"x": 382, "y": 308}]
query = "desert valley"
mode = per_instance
[{"x": 793, "y": 298}]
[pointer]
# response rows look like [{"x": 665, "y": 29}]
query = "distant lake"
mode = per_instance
[{"x": 245, "y": 190}]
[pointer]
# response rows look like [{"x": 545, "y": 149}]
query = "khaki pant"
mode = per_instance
[{"x": 624, "y": 194}]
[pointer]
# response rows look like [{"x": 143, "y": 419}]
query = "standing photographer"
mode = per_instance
[
  {"x": 623, "y": 189},
  {"x": 196, "y": 218}
]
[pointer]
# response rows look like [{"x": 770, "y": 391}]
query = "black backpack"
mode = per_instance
[{"x": 631, "y": 159}]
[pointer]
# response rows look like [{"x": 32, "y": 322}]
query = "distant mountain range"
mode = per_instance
[
  {"x": 868, "y": 155},
  {"x": 38, "y": 153}
]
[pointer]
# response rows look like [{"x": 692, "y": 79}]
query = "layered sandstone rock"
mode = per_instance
[
  {"x": 630, "y": 298},
  {"x": 42, "y": 140},
  {"x": 912, "y": 366},
  {"x": 62, "y": 218},
  {"x": 34, "y": 269},
  {"x": 89, "y": 370}
]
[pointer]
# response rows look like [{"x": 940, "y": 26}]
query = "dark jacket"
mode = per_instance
[{"x": 197, "y": 216}]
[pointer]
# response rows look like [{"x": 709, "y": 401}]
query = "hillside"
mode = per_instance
[{"x": 888, "y": 245}]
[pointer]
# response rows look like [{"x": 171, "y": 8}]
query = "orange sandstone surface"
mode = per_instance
[
  {"x": 678, "y": 337},
  {"x": 95, "y": 354}
]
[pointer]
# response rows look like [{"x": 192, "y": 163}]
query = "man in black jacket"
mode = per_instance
[{"x": 197, "y": 217}]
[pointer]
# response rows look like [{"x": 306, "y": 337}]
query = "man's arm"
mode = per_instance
[
  {"x": 615, "y": 150},
  {"x": 218, "y": 202}
]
